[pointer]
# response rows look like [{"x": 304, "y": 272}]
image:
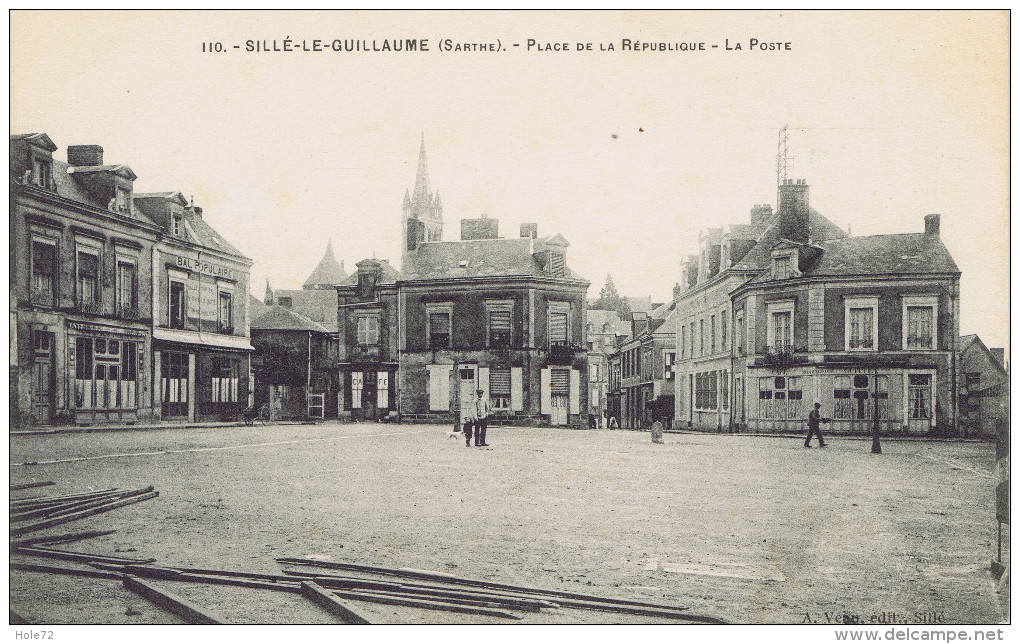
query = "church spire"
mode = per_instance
[
  {"x": 268, "y": 298},
  {"x": 421, "y": 181},
  {"x": 423, "y": 204}
]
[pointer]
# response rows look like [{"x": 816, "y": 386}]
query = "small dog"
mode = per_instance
[{"x": 453, "y": 433}]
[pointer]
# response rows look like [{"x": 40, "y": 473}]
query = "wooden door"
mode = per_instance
[{"x": 42, "y": 377}]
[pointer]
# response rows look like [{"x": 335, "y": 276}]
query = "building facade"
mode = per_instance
[
  {"x": 983, "y": 386},
  {"x": 605, "y": 332},
  {"x": 80, "y": 283},
  {"x": 368, "y": 332},
  {"x": 647, "y": 369},
  {"x": 201, "y": 356},
  {"x": 866, "y": 326}
]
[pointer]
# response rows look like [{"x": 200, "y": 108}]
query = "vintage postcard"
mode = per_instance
[{"x": 511, "y": 317}]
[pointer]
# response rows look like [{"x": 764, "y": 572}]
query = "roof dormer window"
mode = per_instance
[
  {"x": 42, "y": 174},
  {"x": 175, "y": 225},
  {"x": 123, "y": 202}
]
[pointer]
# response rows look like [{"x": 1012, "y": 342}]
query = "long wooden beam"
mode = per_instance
[
  {"x": 59, "y": 498},
  {"x": 25, "y": 486},
  {"x": 379, "y": 598},
  {"x": 192, "y": 613},
  {"x": 83, "y": 557},
  {"x": 331, "y": 603},
  {"x": 67, "y": 507},
  {"x": 60, "y": 570},
  {"x": 49, "y": 523},
  {"x": 62, "y": 538}
]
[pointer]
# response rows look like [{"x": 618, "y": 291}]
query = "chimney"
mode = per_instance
[
  {"x": 931, "y": 224},
  {"x": 677, "y": 290},
  {"x": 692, "y": 270},
  {"x": 794, "y": 211},
  {"x": 1000, "y": 356},
  {"x": 760, "y": 215},
  {"x": 481, "y": 228},
  {"x": 84, "y": 155},
  {"x": 415, "y": 234},
  {"x": 638, "y": 323},
  {"x": 369, "y": 271},
  {"x": 529, "y": 230}
]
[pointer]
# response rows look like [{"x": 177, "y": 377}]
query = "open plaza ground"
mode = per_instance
[{"x": 749, "y": 529}]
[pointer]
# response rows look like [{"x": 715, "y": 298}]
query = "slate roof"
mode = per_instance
[
  {"x": 668, "y": 327},
  {"x": 279, "y": 318},
  {"x": 760, "y": 254},
  {"x": 255, "y": 307},
  {"x": 965, "y": 341},
  {"x": 639, "y": 303},
  {"x": 329, "y": 272},
  {"x": 480, "y": 258},
  {"x": 320, "y": 306},
  {"x": 389, "y": 275},
  {"x": 598, "y": 318}
]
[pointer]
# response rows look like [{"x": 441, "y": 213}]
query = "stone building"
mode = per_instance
[
  {"x": 81, "y": 288},
  {"x": 983, "y": 385},
  {"x": 201, "y": 349},
  {"x": 605, "y": 332},
  {"x": 316, "y": 299},
  {"x": 647, "y": 360},
  {"x": 369, "y": 336},
  {"x": 866, "y": 326},
  {"x": 295, "y": 365}
]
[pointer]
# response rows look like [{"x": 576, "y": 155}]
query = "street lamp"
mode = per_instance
[{"x": 876, "y": 446}]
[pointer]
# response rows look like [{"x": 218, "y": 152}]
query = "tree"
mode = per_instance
[{"x": 610, "y": 300}]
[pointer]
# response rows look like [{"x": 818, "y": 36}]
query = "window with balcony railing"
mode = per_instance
[
  {"x": 44, "y": 272},
  {"x": 88, "y": 283}
]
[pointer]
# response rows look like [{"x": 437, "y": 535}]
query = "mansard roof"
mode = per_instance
[{"x": 476, "y": 258}]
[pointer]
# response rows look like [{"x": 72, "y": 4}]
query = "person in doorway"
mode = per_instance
[
  {"x": 481, "y": 419},
  {"x": 813, "y": 419}
]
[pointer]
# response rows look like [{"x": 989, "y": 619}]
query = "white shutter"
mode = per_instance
[
  {"x": 546, "y": 392},
  {"x": 439, "y": 387},
  {"x": 516, "y": 389},
  {"x": 575, "y": 392},
  {"x": 483, "y": 381}
]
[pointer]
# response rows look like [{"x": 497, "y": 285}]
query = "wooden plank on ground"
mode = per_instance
[
  {"x": 60, "y": 570},
  {"x": 58, "y": 499},
  {"x": 419, "y": 603},
  {"x": 62, "y": 538},
  {"x": 191, "y": 612},
  {"x": 25, "y": 486},
  {"x": 83, "y": 557},
  {"x": 49, "y": 523},
  {"x": 66, "y": 507},
  {"x": 331, "y": 603}
]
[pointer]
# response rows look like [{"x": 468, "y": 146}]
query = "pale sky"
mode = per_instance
[{"x": 628, "y": 154}]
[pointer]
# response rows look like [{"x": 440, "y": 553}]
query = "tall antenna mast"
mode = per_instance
[{"x": 782, "y": 159}]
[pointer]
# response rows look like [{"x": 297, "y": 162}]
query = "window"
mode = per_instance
[
  {"x": 725, "y": 388},
  {"x": 123, "y": 200},
  {"x": 683, "y": 340},
  {"x": 499, "y": 324},
  {"x": 861, "y": 322},
  {"x": 780, "y": 397},
  {"x": 439, "y": 330},
  {"x": 782, "y": 267},
  {"x": 668, "y": 362},
  {"x": 738, "y": 333},
  {"x": 357, "y": 384},
  {"x": 382, "y": 389},
  {"x": 780, "y": 326},
  {"x": 178, "y": 304},
  {"x": 88, "y": 280},
  {"x": 226, "y": 318},
  {"x": 557, "y": 328},
  {"x": 224, "y": 380},
  {"x": 127, "y": 289},
  {"x": 44, "y": 272},
  {"x": 106, "y": 371},
  {"x": 712, "y": 334},
  {"x": 593, "y": 372},
  {"x": 973, "y": 379},
  {"x": 853, "y": 397},
  {"x": 43, "y": 172},
  {"x": 692, "y": 339},
  {"x": 368, "y": 330},
  {"x": 919, "y": 396},
  {"x": 919, "y": 323},
  {"x": 701, "y": 337},
  {"x": 556, "y": 264},
  {"x": 175, "y": 225},
  {"x": 724, "y": 323},
  {"x": 706, "y": 390},
  {"x": 499, "y": 388}
]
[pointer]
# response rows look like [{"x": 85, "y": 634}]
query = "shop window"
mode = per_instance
[
  {"x": 383, "y": 390},
  {"x": 357, "y": 384},
  {"x": 105, "y": 373},
  {"x": 224, "y": 380},
  {"x": 44, "y": 272},
  {"x": 919, "y": 396},
  {"x": 368, "y": 330},
  {"x": 853, "y": 397},
  {"x": 706, "y": 390},
  {"x": 780, "y": 397}
]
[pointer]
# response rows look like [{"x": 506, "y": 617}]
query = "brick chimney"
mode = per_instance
[
  {"x": 794, "y": 211},
  {"x": 84, "y": 155},
  {"x": 760, "y": 214},
  {"x": 481, "y": 228},
  {"x": 931, "y": 224},
  {"x": 529, "y": 230}
]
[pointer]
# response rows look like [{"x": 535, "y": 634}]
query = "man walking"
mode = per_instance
[
  {"x": 481, "y": 410},
  {"x": 813, "y": 419}
]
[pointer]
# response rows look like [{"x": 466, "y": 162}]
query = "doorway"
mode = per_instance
[{"x": 42, "y": 377}]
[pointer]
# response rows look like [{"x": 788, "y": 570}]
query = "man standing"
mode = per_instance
[
  {"x": 813, "y": 419},
  {"x": 482, "y": 410}
]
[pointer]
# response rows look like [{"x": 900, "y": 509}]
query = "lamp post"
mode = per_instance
[{"x": 876, "y": 446}]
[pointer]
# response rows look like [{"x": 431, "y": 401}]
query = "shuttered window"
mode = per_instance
[
  {"x": 499, "y": 382},
  {"x": 556, "y": 264},
  {"x": 561, "y": 381},
  {"x": 499, "y": 327},
  {"x": 439, "y": 330},
  {"x": 558, "y": 328}
]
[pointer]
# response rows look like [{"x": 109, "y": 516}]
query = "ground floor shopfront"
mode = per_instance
[
  {"x": 900, "y": 400},
  {"x": 201, "y": 381},
  {"x": 367, "y": 391}
]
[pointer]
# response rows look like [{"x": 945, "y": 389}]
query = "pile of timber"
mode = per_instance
[{"x": 40, "y": 513}]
